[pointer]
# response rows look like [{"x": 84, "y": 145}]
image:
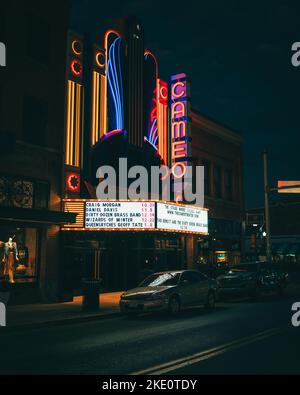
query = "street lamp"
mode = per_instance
[{"x": 267, "y": 209}]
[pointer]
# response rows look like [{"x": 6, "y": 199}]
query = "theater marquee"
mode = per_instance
[
  {"x": 175, "y": 217},
  {"x": 108, "y": 215},
  {"x": 119, "y": 215}
]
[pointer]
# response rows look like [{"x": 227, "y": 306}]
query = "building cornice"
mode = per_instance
[{"x": 215, "y": 128}]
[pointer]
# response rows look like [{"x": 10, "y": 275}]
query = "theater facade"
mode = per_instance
[{"x": 118, "y": 106}]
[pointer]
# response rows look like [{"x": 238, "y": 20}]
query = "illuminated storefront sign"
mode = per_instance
[
  {"x": 180, "y": 120},
  {"x": 77, "y": 47},
  {"x": 162, "y": 118},
  {"x": 76, "y": 68},
  {"x": 99, "y": 102},
  {"x": 288, "y": 186},
  {"x": 113, "y": 215},
  {"x": 74, "y": 123},
  {"x": 221, "y": 256},
  {"x": 181, "y": 218},
  {"x": 151, "y": 77},
  {"x": 73, "y": 182},
  {"x": 74, "y": 102}
]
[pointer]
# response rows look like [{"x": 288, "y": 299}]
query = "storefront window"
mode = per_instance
[
  {"x": 221, "y": 256},
  {"x": 19, "y": 254},
  {"x": 24, "y": 193}
]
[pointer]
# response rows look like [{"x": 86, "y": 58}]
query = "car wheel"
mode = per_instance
[
  {"x": 210, "y": 300},
  {"x": 174, "y": 305}
]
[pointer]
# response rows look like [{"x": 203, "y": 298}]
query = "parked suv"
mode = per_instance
[
  {"x": 252, "y": 278},
  {"x": 170, "y": 291}
]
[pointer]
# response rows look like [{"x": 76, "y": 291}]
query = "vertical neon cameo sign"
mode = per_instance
[
  {"x": 180, "y": 128},
  {"x": 180, "y": 120}
]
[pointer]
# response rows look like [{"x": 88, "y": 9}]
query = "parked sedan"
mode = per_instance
[
  {"x": 170, "y": 291},
  {"x": 252, "y": 279}
]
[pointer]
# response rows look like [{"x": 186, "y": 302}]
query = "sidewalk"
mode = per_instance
[{"x": 39, "y": 315}]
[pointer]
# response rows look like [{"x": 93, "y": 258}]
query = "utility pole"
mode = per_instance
[{"x": 267, "y": 208}]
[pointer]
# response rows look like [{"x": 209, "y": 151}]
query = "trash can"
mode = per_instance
[{"x": 91, "y": 290}]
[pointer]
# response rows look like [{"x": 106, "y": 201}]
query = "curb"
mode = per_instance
[{"x": 64, "y": 321}]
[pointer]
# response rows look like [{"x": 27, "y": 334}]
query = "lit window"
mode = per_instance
[{"x": 19, "y": 249}]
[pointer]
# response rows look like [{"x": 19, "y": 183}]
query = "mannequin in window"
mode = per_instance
[{"x": 10, "y": 256}]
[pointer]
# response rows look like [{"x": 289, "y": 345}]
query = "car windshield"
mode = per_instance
[
  {"x": 250, "y": 268},
  {"x": 161, "y": 279}
]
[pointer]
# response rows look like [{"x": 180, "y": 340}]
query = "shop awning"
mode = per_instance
[{"x": 50, "y": 217}]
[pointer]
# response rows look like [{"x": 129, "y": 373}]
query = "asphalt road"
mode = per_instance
[{"x": 237, "y": 337}]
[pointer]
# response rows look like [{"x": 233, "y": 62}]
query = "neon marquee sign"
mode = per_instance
[
  {"x": 73, "y": 182},
  {"x": 180, "y": 120},
  {"x": 76, "y": 68},
  {"x": 162, "y": 118}
]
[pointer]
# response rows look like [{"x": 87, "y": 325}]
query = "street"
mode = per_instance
[
  {"x": 149, "y": 193},
  {"x": 238, "y": 337}
]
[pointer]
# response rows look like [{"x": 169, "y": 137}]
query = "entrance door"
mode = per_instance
[{"x": 80, "y": 263}]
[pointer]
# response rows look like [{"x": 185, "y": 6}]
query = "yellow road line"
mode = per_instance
[{"x": 213, "y": 352}]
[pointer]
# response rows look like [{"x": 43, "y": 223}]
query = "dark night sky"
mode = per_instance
[{"x": 238, "y": 57}]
